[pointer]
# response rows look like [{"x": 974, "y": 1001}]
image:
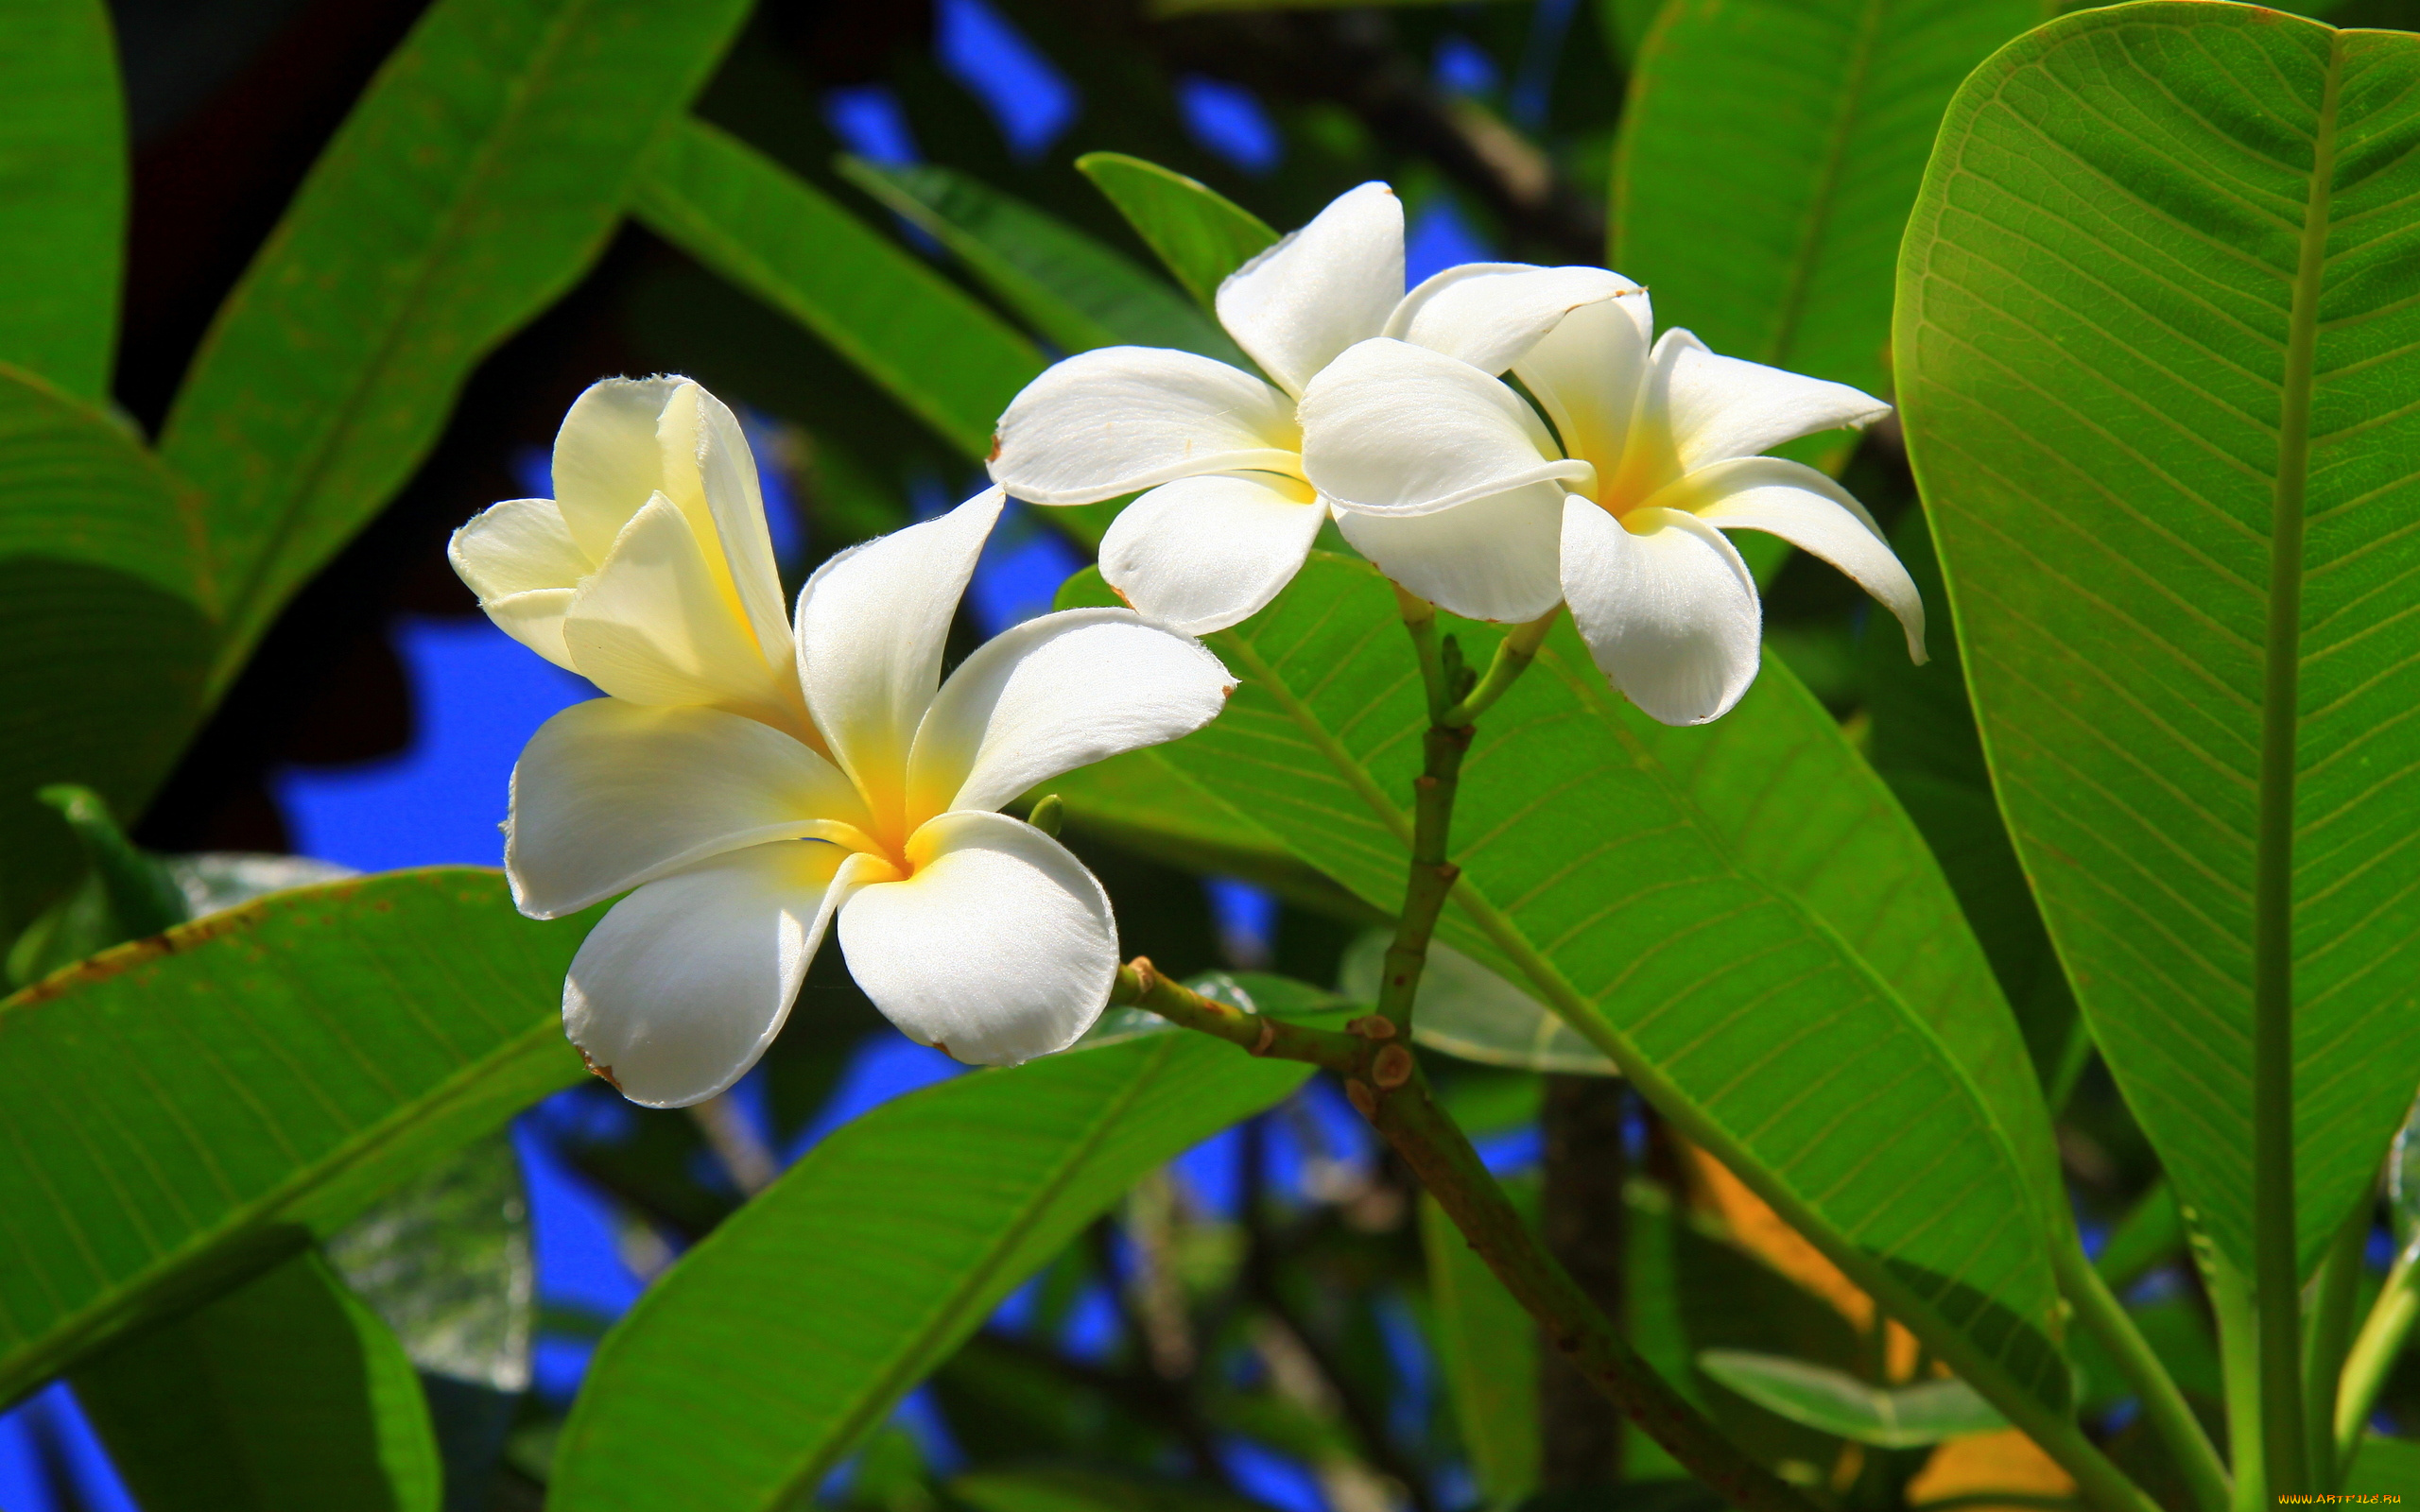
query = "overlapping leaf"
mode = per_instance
[
  {"x": 62, "y": 192},
  {"x": 851, "y": 1278},
  {"x": 1738, "y": 915},
  {"x": 475, "y": 181},
  {"x": 2157, "y": 351},
  {"x": 188, "y": 1111}
]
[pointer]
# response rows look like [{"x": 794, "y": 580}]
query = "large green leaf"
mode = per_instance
[
  {"x": 286, "y": 1394},
  {"x": 1738, "y": 915},
  {"x": 189, "y": 1109},
  {"x": 62, "y": 192},
  {"x": 1488, "y": 1348},
  {"x": 106, "y": 626},
  {"x": 1770, "y": 151},
  {"x": 2157, "y": 354},
  {"x": 951, "y": 362},
  {"x": 475, "y": 181},
  {"x": 851, "y": 1278},
  {"x": 1076, "y": 292},
  {"x": 1198, "y": 232}
]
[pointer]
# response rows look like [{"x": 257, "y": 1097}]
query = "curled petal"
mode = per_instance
[
  {"x": 1668, "y": 609},
  {"x": 1586, "y": 373},
  {"x": 1492, "y": 558},
  {"x": 1201, "y": 553},
  {"x": 608, "y": 795},
  {"x": 871, "y": 623},
  {"x": 1391, "y": 428},
  {"x": 656, "y": 624},
  {"x": 677, "y": 991},
  {"x": 1491, "y": 314},
  {"x": 1815, "y": 514},
  {"x": 1722, "y": 407},
  {"x": 520, "y": 559},
  {"x": 608, "y": 462},
  {"x": 1000, "y": 948},
  {"x": 1320, "y": 289},
  {"x": 1116, "y": 419},
  {"x": 1058, "y": 693},
  {"x": 711, "y": 473}
]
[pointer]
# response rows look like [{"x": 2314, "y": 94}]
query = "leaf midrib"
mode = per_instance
[
  {"x": 1824, "y": 201},
  {"x": 909, "y": 1366}
]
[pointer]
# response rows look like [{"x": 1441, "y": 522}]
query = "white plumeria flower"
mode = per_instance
[
  {"x": 973, "y": 932},
  {"x": 1465, "y": 496},
  {"x": 650, "y": 571},
  {"x": 1232, "y": 513}
]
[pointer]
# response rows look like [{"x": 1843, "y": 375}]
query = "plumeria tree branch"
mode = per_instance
[
  {"x": 1385, "y": 1082},
  {"x": 1383, "y": 1079}
]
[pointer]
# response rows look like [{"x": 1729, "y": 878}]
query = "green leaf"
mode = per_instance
[
  {"x": 1464, "y": 1009},
  {"x": 1139, "y": 801},
  {"x": 475, "y": 181},
  {"x": 951, "y": 362},
  {"x": 1738, "y": 915},
  {"x": 1822, "y": 1398},
  {"x": 1067, "y": 1489},
  {"x": 286, "y": 1394},
  {"x": 1488, "y": 1348},
  {"x": 1922, "y": 739},
  {"x": 107, "y": 606},
  {"x": 191, "y": 1110},
  {"x": 143, "y": 896},
  {"x": 2156, "y": 361},
  {"x": 2384, "y": 1466},
  {"x": 1198, "y": 232},
  {"x": 1770, "y": 151},
  {"x": 1076, "y": 292},
  {"x": 855, "y": 1276},
  {"x": 62, "y": 192}
]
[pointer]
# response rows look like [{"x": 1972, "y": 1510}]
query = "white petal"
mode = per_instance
[
  {"x": 1813, "y": 513},
  {"x": 1391, "y": 428},
  {"x": 1116, "y": 419},
  {"x": 677, "y": 991},
  {"x": 515, "y": 546},
  {"x": 1725, "y": 407},
  {"x": 1054, "y": 693},
  {"x": 1491, "y": 314},
  {"x": 608, "y": 795},
  {"x": 608, "y": 461},
  {"x": 536, "y": 620},
  {"x": 657, "y": 623},
  {"x": 1492, "y": 558},
  {"x": 872, "y": 624},
  {"x": 1320, "y": 289},
  {"x": 1201, "y": 553},
  {"x": 519, "y": 558},
  {"x": 999, "y": 948},
  {"x": 1670, "y": 616},
  {"x": 1586, "y": 373},
  {"x": 728, "y": 508}
]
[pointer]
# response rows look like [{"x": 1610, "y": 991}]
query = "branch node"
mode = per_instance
[
  {"x": 1392, "y": 1068},
  {"x": 1364, "y": 1101},
  {"x": 1372, "y": 1026},
  {"x": 1268, "y": 1037}
]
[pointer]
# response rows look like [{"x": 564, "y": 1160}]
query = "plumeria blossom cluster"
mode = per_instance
[
  {"x": 1607, "y": 487},
  {"x": 753, "y": 780}
]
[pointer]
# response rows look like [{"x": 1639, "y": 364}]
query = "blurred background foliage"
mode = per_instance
[{"x": 1273, "y": 1318}]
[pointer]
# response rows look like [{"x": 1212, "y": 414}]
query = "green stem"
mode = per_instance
[
  {"x": 1514, "y": 655},
  {"x": 2330, "y": 1336},
  {"x": 1389, "y": 1090},
  {"x": 2164, "y": 1405},
  {"x": 2276, "y": 1268},
  {"x": 2373, "y": 1352},
  {"x": 2238, "y": 1366}
]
